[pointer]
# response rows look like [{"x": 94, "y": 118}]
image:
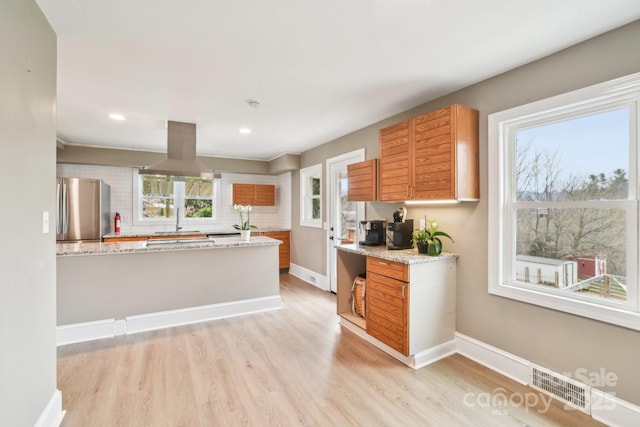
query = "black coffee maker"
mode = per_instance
[
  {"x": 401, "y": 230},
  {"x": 375, "y": 232}
]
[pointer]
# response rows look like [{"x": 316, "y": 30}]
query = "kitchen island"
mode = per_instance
[
  {"x": 409, "y": 301},
  {"x": 107, "y": 289}
]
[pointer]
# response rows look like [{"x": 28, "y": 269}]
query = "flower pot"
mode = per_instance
[
  {"x": 245, "y": 235},
  {"x": 422, "y": 247}
]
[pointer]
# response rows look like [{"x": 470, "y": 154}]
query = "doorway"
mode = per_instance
[{"x": 343, "y": 216}]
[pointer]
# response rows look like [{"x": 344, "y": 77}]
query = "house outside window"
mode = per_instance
[
  {"x": 159, "y": 197},
  {"x": 311, "y": 196},
  {"x": 563, "y": 202}
]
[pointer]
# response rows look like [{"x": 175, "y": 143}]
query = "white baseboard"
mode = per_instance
[
  {"x": 52, "y": 414},
  {"x": 87, "y": 331},
  {"x": 605, "y": 407},
  {"x": 612, "y": 411},
  {"x": 167, "y": 319},
  {"x": 498, "y": 360},
  {"x": 434, "y": 354},
  {"x": 309, "y": 276}
]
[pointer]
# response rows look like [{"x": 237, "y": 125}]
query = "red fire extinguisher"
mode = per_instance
[{"x": 116, "y": 226}]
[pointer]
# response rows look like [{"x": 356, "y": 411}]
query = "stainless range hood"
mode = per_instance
[{"x": 181, "y": 154}]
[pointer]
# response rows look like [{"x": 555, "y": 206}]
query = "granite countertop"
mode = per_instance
[
  {"x": 102, "y": 248},
  {"x": 404, "y": 256},
  {"x": 230, "y": 231}
]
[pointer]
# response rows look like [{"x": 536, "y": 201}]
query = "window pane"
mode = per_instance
[
  {"x": 315, "y": 186},
  {"x": 155, "y": 207},
  {"x": 198, "y": 188},
  {"x": 584, "y": 158},
  {"x": 198, "y": 208},
  {"x": 578, "y": 250},
  {"x": 315, "y": 208},
  {"x": 198, "y": 197},
  {"x": 157, "y": 185}
]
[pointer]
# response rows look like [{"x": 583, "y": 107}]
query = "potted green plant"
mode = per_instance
[
  {"x": 430, "y": 237},
  {"x": 420, "y": 237}
]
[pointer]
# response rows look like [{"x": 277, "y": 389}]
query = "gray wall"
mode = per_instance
[
  {"x": 556, "y": 340},
  {"x": 27, "y": 174}
]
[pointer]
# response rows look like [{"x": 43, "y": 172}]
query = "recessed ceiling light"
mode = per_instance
[
  {"x": 116, "y": 116},
  {"x": 244, "y": 131}
]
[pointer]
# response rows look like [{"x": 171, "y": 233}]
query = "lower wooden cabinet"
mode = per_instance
[
  {"x": 386, "y": 302},
  {"x": 125, "y": 239},
  {"x": 155, "y": 237},
  {"x": 284, "y": 249}
]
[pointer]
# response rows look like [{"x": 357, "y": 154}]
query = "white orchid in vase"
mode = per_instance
[{"x": 244, "y": 225}]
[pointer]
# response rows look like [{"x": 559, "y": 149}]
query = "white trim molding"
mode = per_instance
[
  {"x": 86, "y": 331},
  {"x": 500, "y": 361},
  {"x": 309, "y": 276},
  {"x": 186, "y": 316},
  {"x": 605, "y": 407},
  {"x": 52, "y": 414},
  {"x": 108, "y": 328}
]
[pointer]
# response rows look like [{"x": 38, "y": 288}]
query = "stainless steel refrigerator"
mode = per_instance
[{"x": 83, "y": 209}]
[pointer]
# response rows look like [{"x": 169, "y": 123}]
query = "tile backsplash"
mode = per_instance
[{"x": 121, "y": 181}]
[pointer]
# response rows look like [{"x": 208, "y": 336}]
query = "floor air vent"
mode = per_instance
[{"x": 565, "y": 389}]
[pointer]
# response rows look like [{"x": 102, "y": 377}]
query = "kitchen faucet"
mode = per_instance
[{"x": 178, "y": 227}]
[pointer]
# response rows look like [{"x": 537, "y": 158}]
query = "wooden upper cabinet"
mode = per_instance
[
  {"x": 442, "y": 157},
  {"x": 395, "y": 158},
  {"x": 363, "y": 181},
  {"x": 254, "y": 194},
  {"x": 265, "y": 195}
]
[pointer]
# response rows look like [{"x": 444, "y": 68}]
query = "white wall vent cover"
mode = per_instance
[{"x": 565, "y": 389}]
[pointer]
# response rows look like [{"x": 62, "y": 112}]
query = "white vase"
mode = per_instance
[{"x": 245, "y": 235}]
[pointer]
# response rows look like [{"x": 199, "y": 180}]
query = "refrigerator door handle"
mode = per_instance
[
  {"x": 64, "y": 220},
  {"x": 59, "y": 213}
]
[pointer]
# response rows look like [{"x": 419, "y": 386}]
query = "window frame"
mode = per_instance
[
  {"x": 306, "y": 196},
  {"x": 502, "y": 207},
  {"x": 179, "y": 201}
]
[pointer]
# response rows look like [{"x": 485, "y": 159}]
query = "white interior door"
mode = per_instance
[{"x": 343, "y": 216}]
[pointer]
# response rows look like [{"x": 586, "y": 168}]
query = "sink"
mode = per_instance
[
  {"x": 178, "y": 241},
  {"x": 176, "y": 233}
]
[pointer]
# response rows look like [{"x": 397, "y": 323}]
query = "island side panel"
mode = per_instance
[{"x": 97, "y": 287}]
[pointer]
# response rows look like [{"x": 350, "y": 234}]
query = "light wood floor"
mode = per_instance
[{"x": 290, "y": 367}]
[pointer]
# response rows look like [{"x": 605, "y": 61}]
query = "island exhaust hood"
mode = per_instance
[{"x": 181, "y": 154}]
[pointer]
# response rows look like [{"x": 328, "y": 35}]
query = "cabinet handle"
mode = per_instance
[{"x": 403, "y": 292}]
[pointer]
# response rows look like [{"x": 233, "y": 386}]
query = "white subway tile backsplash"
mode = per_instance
[{"x": 121, "y": 181}]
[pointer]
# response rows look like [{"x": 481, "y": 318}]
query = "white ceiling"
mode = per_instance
[{"x": 320, "y": 69}]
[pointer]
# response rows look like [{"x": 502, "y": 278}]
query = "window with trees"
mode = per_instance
[
  {"x": 311, "y": 196},
  {"x": 160, "y": 197},
  {"x": 564, "y": 202}
]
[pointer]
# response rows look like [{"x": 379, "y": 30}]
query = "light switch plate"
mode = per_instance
[
  {"x": 422, "y": 223},
  {"x": 45, "y": 222}
]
